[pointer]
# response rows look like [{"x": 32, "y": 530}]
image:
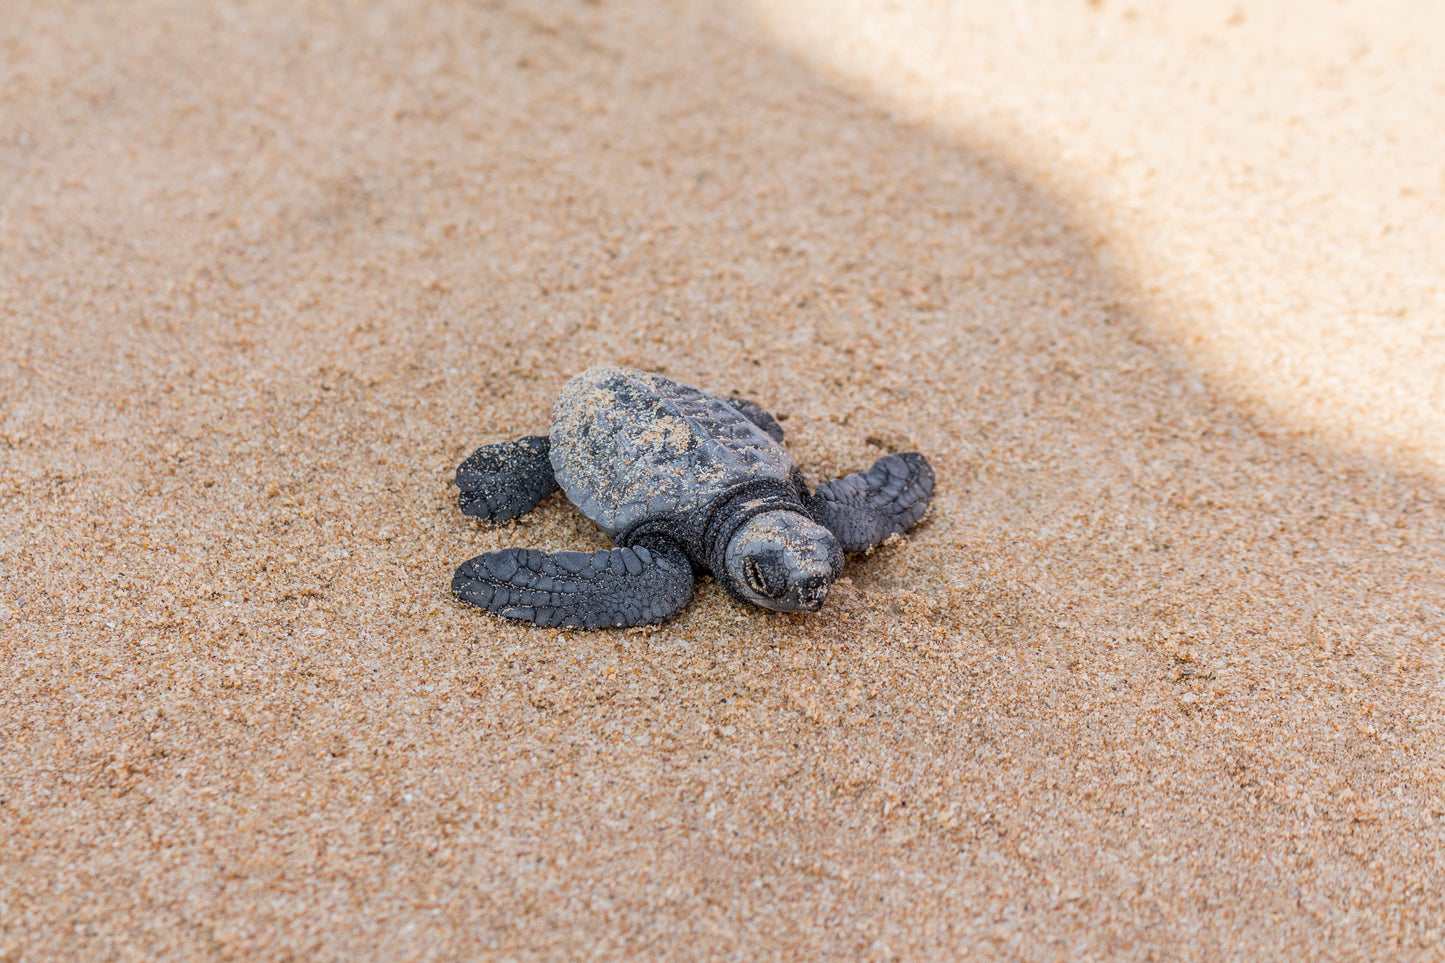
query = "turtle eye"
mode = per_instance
[{"x": 753, "y": 574}]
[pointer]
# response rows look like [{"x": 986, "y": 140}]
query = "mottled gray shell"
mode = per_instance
[{"x": 629, "y": 446}]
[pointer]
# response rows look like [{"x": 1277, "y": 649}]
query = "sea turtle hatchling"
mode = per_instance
[{"x": 683, "y": 482}]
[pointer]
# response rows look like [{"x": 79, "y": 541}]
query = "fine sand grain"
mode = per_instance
[{"x": 1158, "y": 677}]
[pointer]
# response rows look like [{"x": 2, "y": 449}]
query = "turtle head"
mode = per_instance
[{"x": 784, "y": 561}]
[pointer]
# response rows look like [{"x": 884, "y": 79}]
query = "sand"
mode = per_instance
[{"x": 1158, "y": 677}]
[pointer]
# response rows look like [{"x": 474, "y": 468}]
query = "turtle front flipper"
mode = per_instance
[
  {"x": 757, "y": 415},
  {"x": 501, "y": 481},
  {"x": 866, "y": 507},
  {"x": 592, "y": 590}
]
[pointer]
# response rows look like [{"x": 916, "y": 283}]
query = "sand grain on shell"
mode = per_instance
[{"x": 1156, "y": 678}]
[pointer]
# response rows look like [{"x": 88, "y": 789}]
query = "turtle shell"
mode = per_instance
[{"x": 629, "y": 446}]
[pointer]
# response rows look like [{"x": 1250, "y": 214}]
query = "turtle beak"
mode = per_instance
[
  {"x": 812, "y": 594},
  {"x": 807, "y": 581},
  {"x": 809, "y": 587}
]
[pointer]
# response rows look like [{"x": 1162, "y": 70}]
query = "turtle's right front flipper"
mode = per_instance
[
  {"x": 592, "y": 590},
  {"x": 501, "y": 481}
]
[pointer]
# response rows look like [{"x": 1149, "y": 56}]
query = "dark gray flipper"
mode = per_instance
[
  {"x": 591, "y": 590},
  {"x": 501, "y": 481},
  {"x": 866, "y": 507},
  {"x": 757, "y": 415}
]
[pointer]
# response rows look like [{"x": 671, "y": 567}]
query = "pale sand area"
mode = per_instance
[{"x": 1159, "y": 676}]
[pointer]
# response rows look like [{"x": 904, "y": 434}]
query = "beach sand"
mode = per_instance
[{"x": 1158, "y": 677}]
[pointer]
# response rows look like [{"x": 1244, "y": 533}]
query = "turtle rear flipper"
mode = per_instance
[
  {"x": 757, "y": 414},
  {"x": 501, "y": 481},
  {"x": 614, "y": 587},
  {"x": 864, "y": 508}
]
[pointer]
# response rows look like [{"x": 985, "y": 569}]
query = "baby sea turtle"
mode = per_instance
[{"x": 683, "y": 482}]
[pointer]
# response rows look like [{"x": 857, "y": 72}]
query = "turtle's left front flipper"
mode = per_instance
[
  {"x": 592, "y": 590},
  {"x": 864, "y": 508}
]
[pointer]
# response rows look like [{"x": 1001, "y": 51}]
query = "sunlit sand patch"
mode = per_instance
[{"x": 1288, "y": 240}]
